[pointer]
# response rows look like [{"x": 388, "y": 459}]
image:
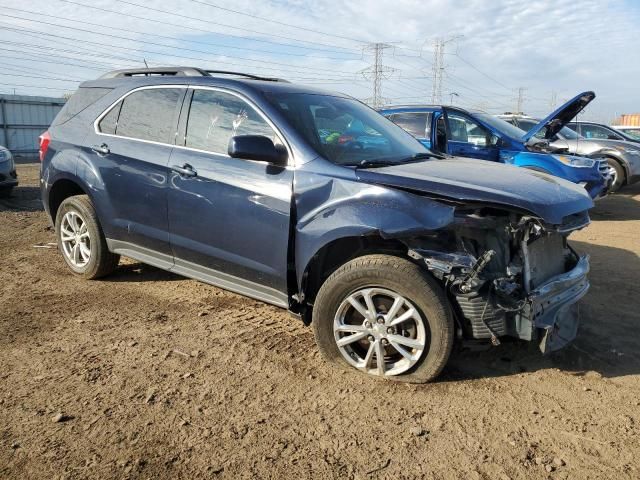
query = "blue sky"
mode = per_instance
[{"x": 551, "y": 49}]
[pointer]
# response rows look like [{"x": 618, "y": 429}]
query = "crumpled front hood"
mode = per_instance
[{"x": 548, "y": 197}]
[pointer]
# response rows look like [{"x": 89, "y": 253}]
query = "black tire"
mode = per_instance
[
  {"x": 5, "y": 192},
  {"x": 621, "y": 177},
  {"x": 401, "y": 277},
  {"x": 101, "y": 261}
]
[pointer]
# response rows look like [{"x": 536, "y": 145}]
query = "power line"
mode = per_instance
[
  {"x": 192, "y": 28},
  {"x": 176, "y": 14},
  {"x": 120, "y": 47},
  {"x": 212, "y": 5},
  {"x": 168, "y": 37}
]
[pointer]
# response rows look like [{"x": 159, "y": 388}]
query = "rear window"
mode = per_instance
[
  {"x": 148, "y": 114},
  {"x": 416, "y": 123},
  {"x": 80, "y": 100}
]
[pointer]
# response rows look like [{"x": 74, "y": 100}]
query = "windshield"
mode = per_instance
[
  {"x": 346, "y": 131},
  {"x": 568, "y": 134},
  {"x": 631, "y": 132},
  {"x": 501, "y": 125}
]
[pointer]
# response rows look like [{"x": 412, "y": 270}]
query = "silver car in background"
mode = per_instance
[
  {"x": 8, "y": 176},
  {"x": 622, "y": 157}
]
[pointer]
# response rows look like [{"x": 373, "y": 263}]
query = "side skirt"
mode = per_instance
[{"x": 197, "y": 272}]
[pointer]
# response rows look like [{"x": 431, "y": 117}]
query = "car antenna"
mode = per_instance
[{"x": 145, "y": 63}]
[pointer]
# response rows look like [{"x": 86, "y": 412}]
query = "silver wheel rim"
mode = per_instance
[
  {"x": 614, "y": 174},
  {"x": 379, "y": 332},
  {"x": 75, "y": 239}
]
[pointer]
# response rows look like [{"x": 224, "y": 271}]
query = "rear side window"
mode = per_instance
[
  {"x": 417, "y": 124},
  {"x": 109, "y": 122},
  {"x": 215, "y": 117},
  {"x": 148, "y": 114},
  {"x": 78, "y": 102}
]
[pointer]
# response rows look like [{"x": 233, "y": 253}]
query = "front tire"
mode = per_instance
[
  {"x": 81, "y": 241},
  {"x": 618, "y": 175},
  {"x": 384, "y": 316}
]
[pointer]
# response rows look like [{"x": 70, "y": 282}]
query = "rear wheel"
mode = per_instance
[
  {"x": 81, "y": 240},
  {"x": 384, "y": 316},
  {"x": 5, "y": 192}
]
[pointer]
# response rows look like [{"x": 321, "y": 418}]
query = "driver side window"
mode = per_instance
[{"x": 464, "y": 129}]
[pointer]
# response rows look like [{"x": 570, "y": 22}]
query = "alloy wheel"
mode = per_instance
[
  {"x": 75, "y": 239},
  {"x": 380, "y": 332}
]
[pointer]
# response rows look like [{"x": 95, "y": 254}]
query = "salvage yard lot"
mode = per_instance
[{"x": 156, "y": 375}]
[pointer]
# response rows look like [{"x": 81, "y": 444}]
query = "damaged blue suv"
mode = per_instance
[{"x": 389, "y": 251}]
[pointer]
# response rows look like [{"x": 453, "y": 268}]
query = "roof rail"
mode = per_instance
[
  {"x": 157, "y": 71},
  {"x": 180, "y": 72}
]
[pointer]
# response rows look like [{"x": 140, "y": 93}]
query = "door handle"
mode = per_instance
[
  {"x": 186, "y": 170},
  {"x": 101, "y": 149}
]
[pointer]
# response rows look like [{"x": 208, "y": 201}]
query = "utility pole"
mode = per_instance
[
  {"x": 439, "y": 66},
  {"x": 554, "y": 99},
  {"x": 376, "y": 72},
  {"x": 520, "y": 100}
]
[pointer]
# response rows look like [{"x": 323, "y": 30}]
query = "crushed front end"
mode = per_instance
[{"x": 509, "y": 275}]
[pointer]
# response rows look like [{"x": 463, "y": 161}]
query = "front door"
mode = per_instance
[
  {"x": 228, "y": 217},
  {"x": 467, "y": 138}
]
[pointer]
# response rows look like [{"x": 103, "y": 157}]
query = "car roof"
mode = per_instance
[
  {"x": 246, "y": 84},
  {"x": 423, "y": 108}
]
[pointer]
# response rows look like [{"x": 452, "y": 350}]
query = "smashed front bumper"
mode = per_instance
[{"x": 553, "y": 309}]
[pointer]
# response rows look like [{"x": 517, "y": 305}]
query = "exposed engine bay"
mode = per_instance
[{"x": 509, "y": 275}]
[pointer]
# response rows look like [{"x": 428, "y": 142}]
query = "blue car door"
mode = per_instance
[
  {"x": 130, "y": 151},
  {"x": 228, "y": 217},
  {"x": 468, "y": 138}
]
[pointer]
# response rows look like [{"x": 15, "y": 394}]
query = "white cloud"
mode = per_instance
[{"x": 564, "y": 46}]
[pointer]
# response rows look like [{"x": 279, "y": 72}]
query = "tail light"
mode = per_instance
[{"x": 45, "y": 139}]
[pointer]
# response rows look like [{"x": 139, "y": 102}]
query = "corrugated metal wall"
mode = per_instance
[
  {"x": 23, "y": 118},
  {"x": 629, "y": 120}
]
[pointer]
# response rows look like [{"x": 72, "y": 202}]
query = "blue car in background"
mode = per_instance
[{"x": 475, "y": 134}]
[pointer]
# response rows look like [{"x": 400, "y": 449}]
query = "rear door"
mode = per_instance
[
  {"x": 131, "y": 146},
  {"x": 468, "y": 138},
  {"x": 228, "y": 217}
]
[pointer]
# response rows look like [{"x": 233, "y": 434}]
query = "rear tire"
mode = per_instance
[
  {"x": 81, "y": 241},
  {"x": 426, "y": 336},
  {"x": 5, "y": 192}
]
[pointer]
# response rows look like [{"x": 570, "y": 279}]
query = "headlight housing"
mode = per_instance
[
  {"x": 5, "y": 155},
  {"x": 580, "y": 162}
]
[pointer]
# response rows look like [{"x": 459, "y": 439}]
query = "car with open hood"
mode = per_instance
[
  {"x": 311, "y": 201},
  {"x": 552, "y": 134},
  {"x": 475, "y": 134}
]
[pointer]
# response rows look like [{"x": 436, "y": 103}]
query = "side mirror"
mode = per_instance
[{"x": 257, "y": 147}]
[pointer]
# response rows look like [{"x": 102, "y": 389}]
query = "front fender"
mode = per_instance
[
  {"x": 546, "y": 162},
  {"x": 332, "y": 208},
  {"x": 625, "y": 160}
]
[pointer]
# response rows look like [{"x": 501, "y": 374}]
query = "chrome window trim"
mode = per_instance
[{"x": 290, "y": 158}]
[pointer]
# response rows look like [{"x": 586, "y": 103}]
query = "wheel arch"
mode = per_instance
[
  {"x": 338, "y": 252},
  {"x": 60, "y": 190}
]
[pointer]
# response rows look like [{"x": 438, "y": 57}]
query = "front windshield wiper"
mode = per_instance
[{"x": 385, "y": 163}]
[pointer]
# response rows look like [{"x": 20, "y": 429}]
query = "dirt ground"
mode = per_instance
[{"x": 157, "y": 376}]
